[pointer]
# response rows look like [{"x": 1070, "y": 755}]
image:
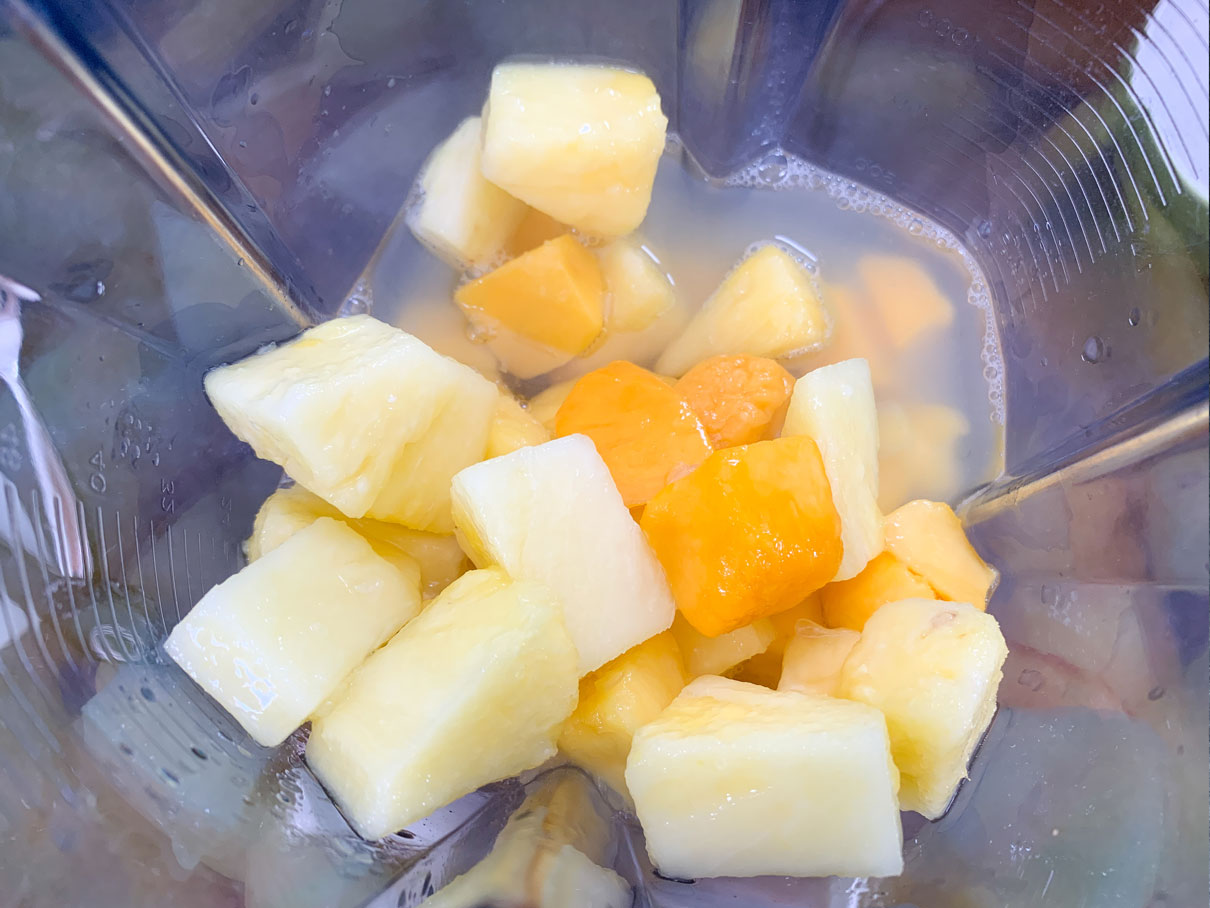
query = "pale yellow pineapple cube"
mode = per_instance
[
  {"x": 578, "y": 142},
  {"x": 813, "y": 658},
  {"x": 363, "y": 415},
  {"x": 639, "y": 291},
  {"x": 616, "y": 700},
  {"x": 919, "y": 452},
  {"x": 928, "y": 537},
  {"x": 765, "y": 668},
  {"x": 548, "y": 855},
  {"x": 552, "y": 513},
  {"x": 933, "y": 669},
  {"x": 714, "y": 655},
  {"x": 834, "y": 405},
  {"x": 462, "y": 217},
  {"x": 273, "y": 641},
  {"x": 513, "y": 427},
  {"x": 734, "y": 779},
  {"x": 472, "y": 690},
  {"x": 285, "y": 512},
  {"x": 544, "y": 406},
  {"x": 767, "y": 306}
]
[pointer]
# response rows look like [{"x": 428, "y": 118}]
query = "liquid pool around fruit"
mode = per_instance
[{"x": 903, "y": 291}]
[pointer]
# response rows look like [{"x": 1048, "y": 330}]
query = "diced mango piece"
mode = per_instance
[
  {"x": 551, "y": 513},
  {"x": 552, "y": 297},
  {"x": 849, "y": 603},
  {"x": 739, "y": 399},
  {"x": 462, "y": 217},
  {"x": 919, "y": 453},
  {"x": 904, "y": 296},
  {"x": 641, "y": 426},
  {"x": 534, "y": 230},
  {"x": 767, "y": 306},
  {"x": 749, "y": 533},
  {"x": 932, "y": 668},
  {"x": 639, "y": 292},
  {"x": 616, "y": 700},
  {"x": 835, "y": 406},
  {"x": 363, "y": 415},
  {"x": 548, "y": 855},
  {"x": 544, "y": 406},
  {"x": 715, "y": 655},
  {"x": 273, "y": 641},
  {"x": 813, "y": 659},
  {"x": 291, "y": 509},
  {"x": 474, "y": 689},
  {"x": 513, "y": 427},
  {"x": 734, "y": 779},
  {"x": 928, "y": 537},
  {"x": 578, "y": 142}
]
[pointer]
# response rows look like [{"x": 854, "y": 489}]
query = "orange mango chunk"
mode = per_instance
[
  {"x": 849, "y": 603},
  {"x": 739, "y": 399},
  {"x": 642, "y": 428},
  {"x": 553, "y": 296},
  {"x": 907, "y": 300},
  {"x": 749, "y": 533},
  {"x": 928, "y": 537}
]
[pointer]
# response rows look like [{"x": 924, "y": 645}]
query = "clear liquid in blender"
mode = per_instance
[{"x": 902, "y": 291}]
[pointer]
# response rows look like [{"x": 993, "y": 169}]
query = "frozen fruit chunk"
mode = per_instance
[
  {"x": 273, "y": 641},
  {"x": 642, "y": 427},
  {"x": 461, "y": 216},
  {"x": 513, "y": 427},
  {"x": 552, "y": 513},
  {"x": 749, "y": 533},
  {"x": 534, "y": 230},
  {"x": 920, "y": 453},
  {"x": 715, "y": 655},
  {"x": 474, "y": 689},
  {"x": 363, "y": 415},
  {"x": 905, "y": 297},
  {"x": 639, "y": 292},
  {"x": 767, "y": 306},
  {"x": 765, "y": 668},
  {"x": 932, "y": 668},
  {"x": 813, "y": 659},
  {"x": 739, "y": 399},
  {"x": 578, "y": 142},
  {"x": 849, "y": 603},
  {"x": 835, "y": 406},
  {"x": 734, "y": 779},
  {"x": 616, "y": 700},
  {"x": 928, "y": 537},
  {"x": 291, "y": 509}
]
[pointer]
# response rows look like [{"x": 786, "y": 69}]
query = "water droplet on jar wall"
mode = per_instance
[{"x": 1094, "y": 350}]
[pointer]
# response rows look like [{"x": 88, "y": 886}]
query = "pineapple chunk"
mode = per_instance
[
  {"x": 765, "y": 668},
  {"x": 473, "y": 690},
  {"x": 933, "y": 669},
  {"x": 548, "y": 855},
  {"x": 835, "y": 406},
  {"x": 552, "y": 513},
  {"x": 715, "y": 655},
  {"x": 639, "y": 292},
  {"x": 580, "y": 143},
  {"x": 904, "y": 295},
  {"x": 544, "y": 406},
  {"x": 540, "y": 309},
  {"x": 462, "y": 217},
  {"x": 513, "y": 427},
  {"x": 849, "y": 603},
  {"x": 928, "y": 537},
  {"x": 737, "y": 780},
  {"x": 767, "y": 306},
  {"x": 273, "y": 641},
  {"x": 813, "y": 658},
  {"x": 289, "y": 510},
  {"x": 362, "y": 414},
  {"x": 919, "y": 452},
  {"x": 616, "y": 700}
]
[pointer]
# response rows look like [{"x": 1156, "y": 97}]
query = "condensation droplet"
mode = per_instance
[
  {"x": 985, "y": 229},
  {"x": 327, "y": 90},
  {"x": 1094, "y": 350},
  {"x": 1134, "y": 317},
  {"x": 391, "y": 82}
]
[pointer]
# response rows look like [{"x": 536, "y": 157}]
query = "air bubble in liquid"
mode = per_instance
[
  {"x": 773, "y": 168},
  {"x": 1094, "y": 350}
]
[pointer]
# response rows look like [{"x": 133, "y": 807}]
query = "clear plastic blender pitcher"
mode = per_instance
[{"x": 181, "y": 183}]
